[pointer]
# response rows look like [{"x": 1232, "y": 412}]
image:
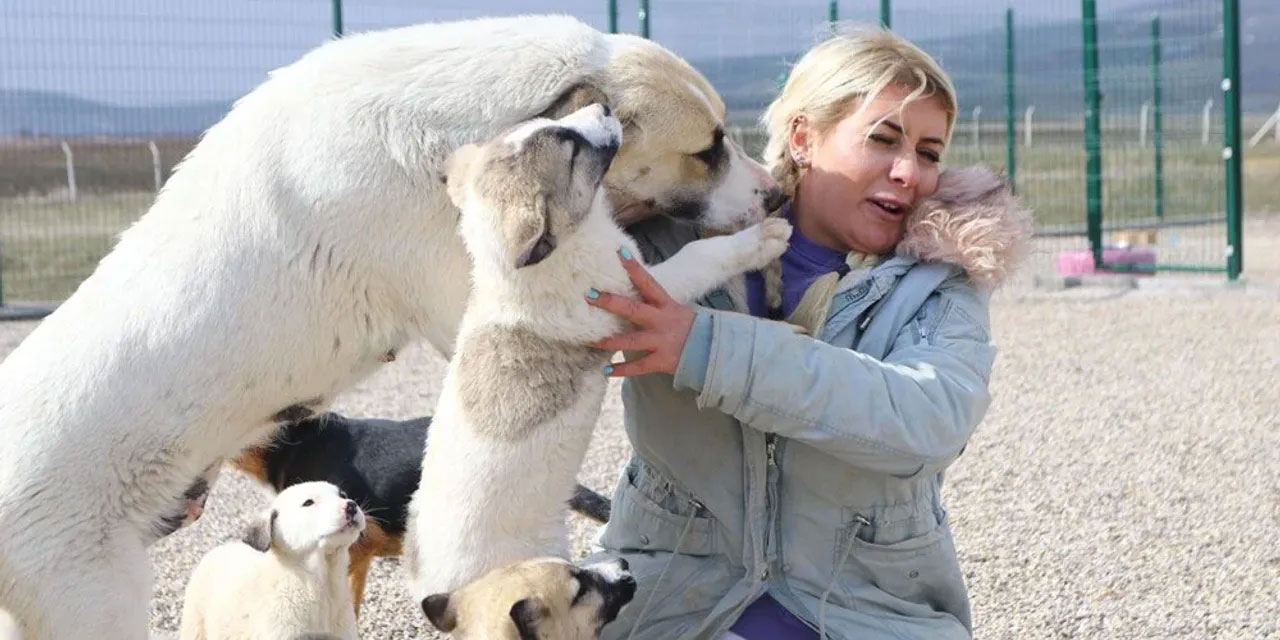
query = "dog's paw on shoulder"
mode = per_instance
[{"x": 765, "y": 241}]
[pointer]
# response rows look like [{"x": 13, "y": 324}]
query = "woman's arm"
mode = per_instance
[{"x": 914, "y": 410}]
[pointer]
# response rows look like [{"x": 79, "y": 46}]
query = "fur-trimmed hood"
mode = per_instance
[{"x": 973, "y": 221}]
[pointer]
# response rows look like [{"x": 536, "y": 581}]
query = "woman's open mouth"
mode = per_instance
[{"x": 890, "y": 206}]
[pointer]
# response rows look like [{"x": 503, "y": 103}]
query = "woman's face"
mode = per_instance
[{"x": 864, "y": 176}]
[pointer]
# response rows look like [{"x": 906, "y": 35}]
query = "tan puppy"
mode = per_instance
[
  {"x": 542, "y": 598},
  {"x": 288, "y": 577}
]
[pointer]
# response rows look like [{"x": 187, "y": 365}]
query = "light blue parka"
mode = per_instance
[{"x": 812, "y": 469}]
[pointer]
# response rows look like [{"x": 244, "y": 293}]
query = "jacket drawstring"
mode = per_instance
[
  {"x": 858, "y": 523},
  {"x": 688, "y": 525}
]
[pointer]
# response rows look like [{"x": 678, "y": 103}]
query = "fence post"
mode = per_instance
[
  {"x": 886, "y": 13},
  {"x": 1010, "y": 130},
  {"x": 977, "y": 131},
  {"x": 71, "y": 170},
  {"x": 337, "y": 18},
  {"x": 1204, "y": 121},
  {"x": 1143, "y": 113},
  {"x": 644, "y": 19},
  {"x": 155, "y": 163},
  {"x": 613, "y": 16},
  {"x": 833, "y": 12},
  {"x": 1092, "y": 129},
  {"x": 1157, "y": 126},
  {"x": 1028, "y": 125},
  {"x": 1231, "y": 133}
]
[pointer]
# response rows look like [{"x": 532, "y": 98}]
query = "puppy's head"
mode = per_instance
[
  {"x": 539, "y": 598},
  {"x": 308, "y": 517},
  {"x": 676, "y": 159},
  {"x": 530, "y": 187}
]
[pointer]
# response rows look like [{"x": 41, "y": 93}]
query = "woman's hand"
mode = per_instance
[{"x": 662, "y": 323}]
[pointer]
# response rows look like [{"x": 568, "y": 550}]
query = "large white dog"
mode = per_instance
[
  {"x": 524, "y": 389},
  {"x": 306, "y": 236}
]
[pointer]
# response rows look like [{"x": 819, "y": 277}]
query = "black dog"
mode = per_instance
[{"x": 377, "y": 463}]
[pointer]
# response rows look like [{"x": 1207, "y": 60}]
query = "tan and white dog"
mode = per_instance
[
  {"x": 540, "y": 598},
  {"x": 524, "y": 389},
  {"x": 305, "y": 239},
  {"x": 288, "y": 577}
]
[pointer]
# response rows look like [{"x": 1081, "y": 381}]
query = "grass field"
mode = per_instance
[{"x": 49, "y": 244}]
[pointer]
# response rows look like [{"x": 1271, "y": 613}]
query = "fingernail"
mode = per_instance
[
  {"x": 626, "y": 253},
  {"x": 608, "y": 369},
  {"x": 592, "y": 293}
]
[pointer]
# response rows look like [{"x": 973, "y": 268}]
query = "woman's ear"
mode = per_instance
[{"x": 799, "y": 141}]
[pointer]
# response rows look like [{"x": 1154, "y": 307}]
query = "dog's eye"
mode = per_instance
[
  {"x": 308, "y": 503},
  {"x": 711, "y": 155},
  {"x": 342, "y": 494}
]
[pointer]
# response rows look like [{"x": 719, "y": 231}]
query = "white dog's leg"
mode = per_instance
[
  {"x": 702, "y": 265},
  {"x": 104, "y": 599}
]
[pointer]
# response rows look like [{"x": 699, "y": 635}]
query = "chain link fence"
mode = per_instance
[{"x": 99, "y": 101}]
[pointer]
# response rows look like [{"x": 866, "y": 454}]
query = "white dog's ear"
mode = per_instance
[
  {"x": 438, "y": 611},
  {"x": 526, "y": 614},
  {"x": 576, "y": 97},
  {"x": 261, "y": 534},
  {"x": 455, "y": 172},
  {"x": 528, "y": 233}
]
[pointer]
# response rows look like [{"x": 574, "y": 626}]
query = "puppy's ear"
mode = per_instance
[
  {"x": 528, "y": 232},
  {"x": 526, "y": 614},
  {"x": 438, "y": 611},
  {"x": 261, "y": 534},
  {"x": 457, "y": 166},
  {"x": 576, "y": 97}
]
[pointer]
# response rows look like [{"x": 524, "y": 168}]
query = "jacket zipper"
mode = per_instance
[{"x": 771, "y": 494}]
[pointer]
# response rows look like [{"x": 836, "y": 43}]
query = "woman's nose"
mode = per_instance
[{"x": 904, "y": 172}]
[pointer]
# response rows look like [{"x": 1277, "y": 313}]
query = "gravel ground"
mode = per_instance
[{"x": 1123, "y": 485}]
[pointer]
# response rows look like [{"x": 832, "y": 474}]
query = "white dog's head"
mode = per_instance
[
  {"x": 538, "y": 598},
  {"x": 527, "y": 189},
  {"x": 677, "y": 159},
  {"x": 307, "y": 518}
]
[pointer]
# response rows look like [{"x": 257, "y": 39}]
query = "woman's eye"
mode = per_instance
[
  {"x": 882, "y": 139},
  {"x": 308, "y": 503},
  {"x": 931, "y": 156}
]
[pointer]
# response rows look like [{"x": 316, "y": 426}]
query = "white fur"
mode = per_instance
[
  {"x": 482, "y": 502},
  {"x": 305, "y": 236},
  {"x": 299, "y": 585},
  {"x": 8, "y": 627}
]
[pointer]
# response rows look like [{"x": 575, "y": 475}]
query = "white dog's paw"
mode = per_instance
[{"x": 764, "y": 242}]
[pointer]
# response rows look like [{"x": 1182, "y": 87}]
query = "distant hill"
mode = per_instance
[
  {"x": 43, "y": 113},
  {"x": 1048, "y": 65}
]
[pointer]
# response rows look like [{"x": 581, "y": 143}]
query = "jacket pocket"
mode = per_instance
[
  {"x": 917, "y": 577},
  {"x": 650, "y": 514}
]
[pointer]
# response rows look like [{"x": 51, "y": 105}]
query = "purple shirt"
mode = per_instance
[
  {"x": 765, "y": 619},
  {"x": 803, "y": 262}
]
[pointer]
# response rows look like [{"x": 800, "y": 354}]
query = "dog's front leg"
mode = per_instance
[{"x": 702, "y": 265}]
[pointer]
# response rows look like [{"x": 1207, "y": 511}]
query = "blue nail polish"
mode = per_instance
[
  {"x": 592, "y": 293},
  {"x": 608, "y": 369},
  {"x": 626, "y": 253}
]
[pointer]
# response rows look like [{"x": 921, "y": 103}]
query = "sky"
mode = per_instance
[{"x": 145, "y": 52}]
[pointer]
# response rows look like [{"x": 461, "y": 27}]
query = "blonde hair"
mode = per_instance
[{"x": 851, "y": 66}]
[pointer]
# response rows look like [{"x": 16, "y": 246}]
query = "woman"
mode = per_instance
[{"x": 788, "y": 486}]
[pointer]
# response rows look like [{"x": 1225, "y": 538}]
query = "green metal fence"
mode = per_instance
[{"x": 1115, "y": 118}]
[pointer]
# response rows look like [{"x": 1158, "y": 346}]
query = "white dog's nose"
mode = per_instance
[{"x": 595, "y": 122}]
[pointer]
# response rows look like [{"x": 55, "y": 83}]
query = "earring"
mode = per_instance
[{"x": 800, "y": 160}]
